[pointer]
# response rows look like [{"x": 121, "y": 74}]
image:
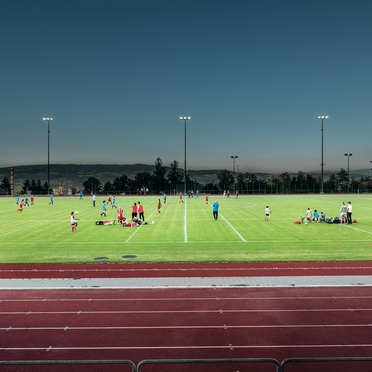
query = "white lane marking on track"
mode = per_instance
[
  {"x": 231, "y": 346},
  {"x": 188, "y": 327},
  {"x": 137, "y": 228},
  {"x": 188, "y": 299},
  {"x": 185, "y": 226},
  {"x": 184, "y": 311},
  {"x": 230, "y": 225}
]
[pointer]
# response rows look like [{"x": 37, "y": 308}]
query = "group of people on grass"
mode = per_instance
[{"x": 345, "y": 214}]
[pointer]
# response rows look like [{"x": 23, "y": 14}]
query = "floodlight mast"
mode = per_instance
[
  {"x": 233, "y": 158},
  {"x": 185, "y": 118},
  {"x": 322, "y": 165},
  {"x": 48, "y": 120},
  {"x": 348, "y": 172}
]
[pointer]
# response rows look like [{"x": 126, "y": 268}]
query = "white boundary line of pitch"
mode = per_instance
[
  {"x": 236, "y": 231},
  {"x": 127, "y": 241}
]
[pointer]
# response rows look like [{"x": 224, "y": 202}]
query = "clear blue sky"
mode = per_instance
[{"x": 254, "y": 76}]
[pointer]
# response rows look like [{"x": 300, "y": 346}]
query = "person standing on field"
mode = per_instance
[
  {"x": 165, "y": 198},
  {"x": 349, "y": 212},
  {"x": 159, "y": 206},
  {"x": 32, "y": 200},
  {"x": 309, "y": 215},
  {"x": 267, "y": 213},
  {"x": 94, "y": 200},
  {"x": 134, "y": 211},
  {"x": 343, "y": 213},
  {"x": 81, "y": 195},
  {"x": 140, "y": 211},
  {"x": 215, "y": 210}
]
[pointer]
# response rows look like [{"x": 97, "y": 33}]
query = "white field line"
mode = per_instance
[
  {"x": 24, "y": 228},
  {"x": 351, "y": 227},
  {"x": 137, "y": 228},
  {"x": 196, "y": 242},
  {"x": 229, "y": 225},
  {"x": 185, "y": 226},
  {"x": 354, "y": 205},
  {"x": 65, "y": 328}
]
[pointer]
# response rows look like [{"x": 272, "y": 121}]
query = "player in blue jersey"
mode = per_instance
[
  {"x": 51, "y": 200},
  {"x": 113, "y": 202},
  {"x": 26, "y": 201},
  {"x": 104, "y": 208}
]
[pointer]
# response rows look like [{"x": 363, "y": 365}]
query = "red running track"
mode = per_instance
[
  {"x": 187, "y": 323},
  {"x": 137, "y": 270}
]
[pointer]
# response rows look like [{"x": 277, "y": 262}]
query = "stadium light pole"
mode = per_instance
[
  {"x": 238, "y": 166},
  {"x": 48, "y": 120},
  {"x": 348, "y": 172},
  {"x": 322, "y": 117},
  {"x": 233, "y": 158},
  {"x": 185, "y": 118}
]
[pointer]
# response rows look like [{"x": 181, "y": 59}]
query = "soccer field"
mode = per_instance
[{"x": 186, "y": 232}]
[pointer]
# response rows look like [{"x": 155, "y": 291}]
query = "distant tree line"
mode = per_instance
[
  {"x": 158, "y": 181},
  {"x": 161, "y": 181},
  {"x": 284, "y": 183},
  {"x": 5, "y": 185}
]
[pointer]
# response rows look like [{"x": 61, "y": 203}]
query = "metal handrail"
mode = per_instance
[
  {"x": 335, "y": 359},
  {"x": 67, "y": 362},
  {"x": 201, "y": 361}
]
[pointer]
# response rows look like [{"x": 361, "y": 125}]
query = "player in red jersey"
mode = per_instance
[
  {"x": 181, "y": 201},
  {"x": 134, "y": 211},
  {"x": 159, "y": 206},
  {"x": 206, "y": 198},
  {"x": 32, "y": 200},
  {"x": 20, "y": 206},
  {"x": 73, "y": 222},
  {"x": 140, "y": 211},
  {"x": 109, "y": 200},
  {"x": 120, "y": 216}
]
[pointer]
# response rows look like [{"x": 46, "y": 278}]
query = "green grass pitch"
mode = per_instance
[{"x": 186, "y": 232}]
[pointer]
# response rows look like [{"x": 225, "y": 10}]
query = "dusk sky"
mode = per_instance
[{"x": 253, "y": 75}]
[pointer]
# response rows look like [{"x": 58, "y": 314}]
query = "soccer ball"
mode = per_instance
[
  {"x": 76, "y": 212},
  {"x": 305, "y": 223}
]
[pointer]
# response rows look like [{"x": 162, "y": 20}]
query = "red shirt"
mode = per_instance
[
  {"x": 134, "y": 209},
  {"x": 140, "y": 208}
]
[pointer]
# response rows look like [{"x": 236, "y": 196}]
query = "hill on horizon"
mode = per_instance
[{"x": 68, "y": 175}]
